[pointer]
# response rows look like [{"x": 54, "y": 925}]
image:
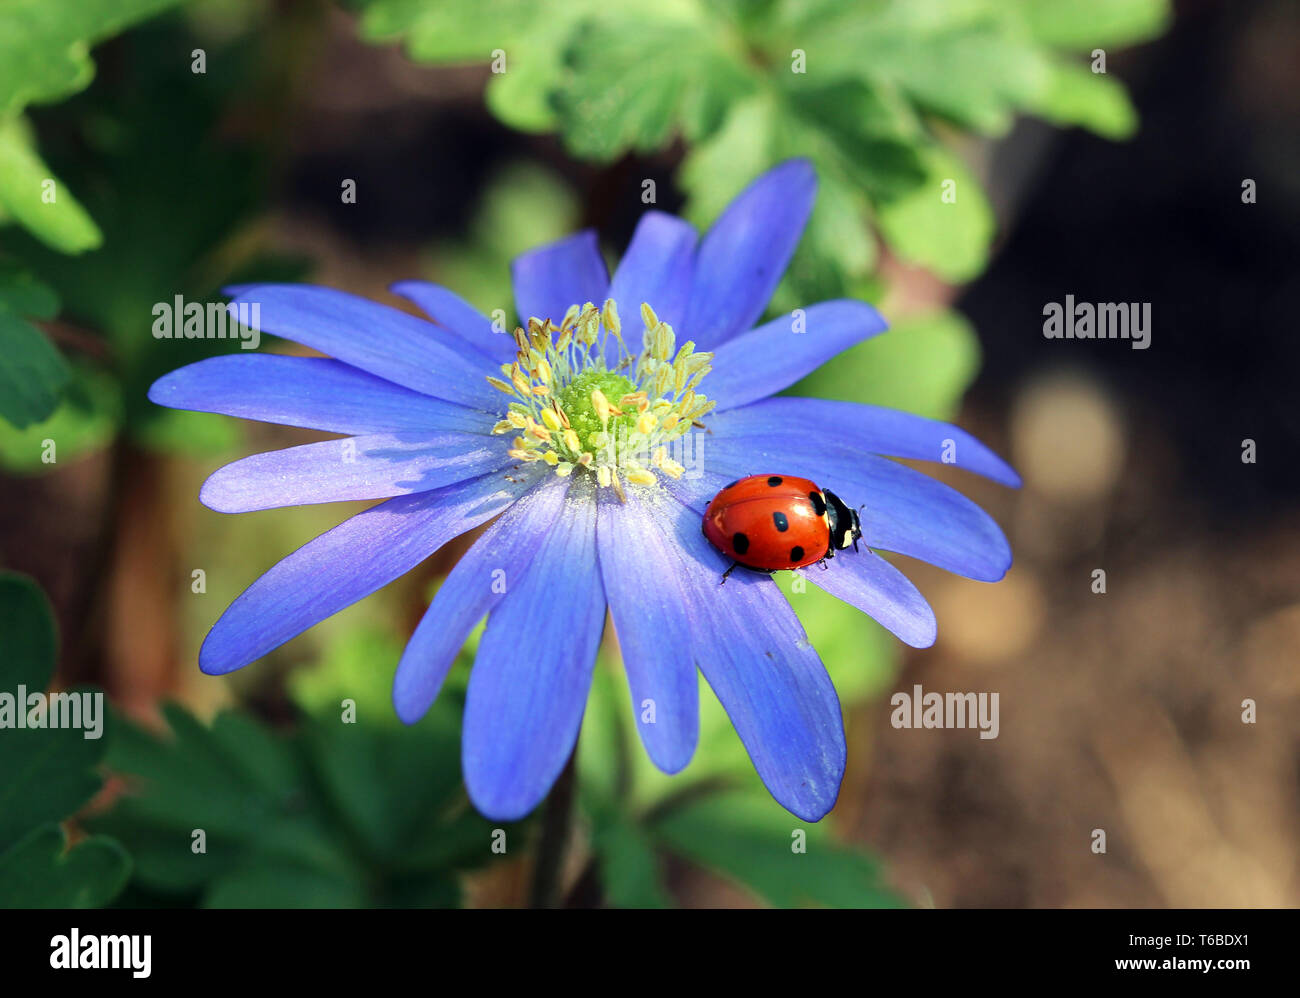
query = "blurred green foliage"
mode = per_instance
[{"x": 866, "y": 88}]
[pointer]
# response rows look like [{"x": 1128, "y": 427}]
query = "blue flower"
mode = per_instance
[{"x": 570, "y": 438}]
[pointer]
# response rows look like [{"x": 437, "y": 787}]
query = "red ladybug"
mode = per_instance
[{"x": 770, "y": 522}]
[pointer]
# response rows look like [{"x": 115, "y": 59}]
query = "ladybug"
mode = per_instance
[{"x": 771, "y": 522}]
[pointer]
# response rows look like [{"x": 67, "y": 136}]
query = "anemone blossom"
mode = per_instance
[{"x": 591, "y": 452}]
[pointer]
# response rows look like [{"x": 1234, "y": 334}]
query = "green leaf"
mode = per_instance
[
  {"x": 949, "y": 233},
  {"x": 22, "y": 293},
  {"x": 1086, "y": 24},
  {"x": 923, "y": 365},
  {"x": 27, "y": 634},
  {"x": 48, "y": 772},
  {"x": 34, "y": 197},
  {"x": 109, "y": 150},
  {"x": 716, "y": 170},
  {"x": 43, "y": 871},
  {"x": 754, "y": 842},
  {"x": 618, "y": 76},
  {"x": 86, "y": 419},
  {"x": 457, "y": 31},
  {"x": 329, "y": 814},
  {"x": 968, "y": 63},
  {"x": 635, "y": 84},
  {"x": 32, "y": 372},
  {"x": 45, "y": 44},
  {"x": 285, "y": 885},
  {"x": 1078, "y": 96},
  {"x": 629, "y": 867},
  {"x": 390, "y": 785}
]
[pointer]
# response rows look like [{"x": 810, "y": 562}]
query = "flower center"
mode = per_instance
[{"x": 571, "y": 410}]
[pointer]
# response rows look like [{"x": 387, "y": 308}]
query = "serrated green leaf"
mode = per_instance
[
  {"x": 43, "y": 871},
  {"x": 31, "y": 195},
  {"x": 971, "y": 65},
  {"x": 331, "y": 813},
  {"x": 634, "y": 84},
  {"x": 923, "y": 365},
  {"x": 389, "y": 784},
  {"x": 524, "y": 40}
]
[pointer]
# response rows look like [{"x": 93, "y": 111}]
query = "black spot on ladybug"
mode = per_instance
[
  {"x": 782, "y": 524},
  {"x": 819, "y": 504},
  {"x": 732, "y": 485},
  {"x": 796, "y": 553},
  {"x": 740, "y": 542},
  {"x": 774, "y": 481}
]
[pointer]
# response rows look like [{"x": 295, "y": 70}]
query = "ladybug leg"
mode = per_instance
[
  {"x": 734, "y": 566},
  {"x": 822, "y": 564}
]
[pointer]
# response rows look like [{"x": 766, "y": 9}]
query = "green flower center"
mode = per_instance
[
  {"x": 571, "y": 411},
  {"x": 575, "y": 401}
]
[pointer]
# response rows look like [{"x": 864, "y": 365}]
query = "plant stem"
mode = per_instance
[{"x": 557, "y": 821}]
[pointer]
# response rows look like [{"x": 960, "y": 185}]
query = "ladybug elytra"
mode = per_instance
[{"x": 771, "y": 522}]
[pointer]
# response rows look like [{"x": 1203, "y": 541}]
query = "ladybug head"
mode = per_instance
[{"x": 846, "y": 526}]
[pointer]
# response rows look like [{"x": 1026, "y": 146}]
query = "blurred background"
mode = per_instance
[{"x": 198, "y": 144}]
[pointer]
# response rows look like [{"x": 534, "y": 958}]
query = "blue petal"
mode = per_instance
[
  {"x": 312, "y": 392},
  {"x": 388, "y": 343},
  {"x": 865, "y": 427},
  {"x": 349, "y": 563},
  {"x": 903, "y": 510},
  {"x": 756, "y": 364},
  {"x": 374, "y": 466},
  {"x": 881, "y": 591},
  {"x": 550, "y": 279},
  {"x": 656, "y": 269},
  {"x": 496, "y": 562},
  {"x": 452, "y": 312},
  {"x": 743, "y": 256},
  {"x": 531, "y": 677},
  {"x": 748, "y": 643},
  {"x": 646, "y": 599}
]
